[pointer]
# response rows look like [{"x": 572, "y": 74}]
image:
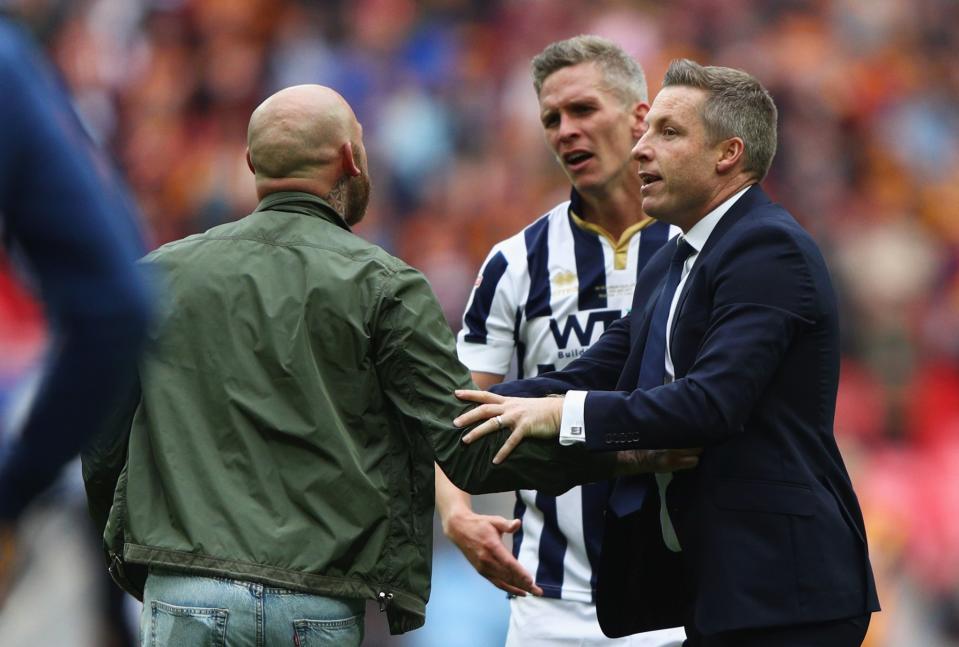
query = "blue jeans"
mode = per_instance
[{"x": 181, "y": 610}]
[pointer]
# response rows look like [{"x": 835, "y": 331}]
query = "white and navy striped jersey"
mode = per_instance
[{"x": 545, "y": 295}]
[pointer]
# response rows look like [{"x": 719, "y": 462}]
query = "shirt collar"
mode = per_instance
[
  {"x": 575, "y": 201},
  {"x": 699, "y": 233},
  {"x": 576, "y": 210}
]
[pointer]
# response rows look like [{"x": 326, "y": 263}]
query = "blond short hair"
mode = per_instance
[{"x": 623, "y": 75}]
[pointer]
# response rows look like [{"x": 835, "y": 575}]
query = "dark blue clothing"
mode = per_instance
[
  {"x": 68, "y": 222},
  {"x": 630, "y": 492},
  {"x": 770, "y": 527}
]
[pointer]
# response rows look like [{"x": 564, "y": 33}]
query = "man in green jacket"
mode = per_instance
[{"x": 274, "y": 467}]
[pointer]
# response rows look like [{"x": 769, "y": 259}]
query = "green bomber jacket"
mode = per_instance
[{"x": 294, "y": 395}]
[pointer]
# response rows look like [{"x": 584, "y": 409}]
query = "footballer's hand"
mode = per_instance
[
  {"x": 525, "y": 417},
  {"x": 479, "y": 537},
  {"x": 644, "y": 461}
]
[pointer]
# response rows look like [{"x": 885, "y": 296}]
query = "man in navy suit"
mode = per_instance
[{"x": 732, "y": 345}]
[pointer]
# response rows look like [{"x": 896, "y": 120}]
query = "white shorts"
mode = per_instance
[{"x": 548, "y": 622}]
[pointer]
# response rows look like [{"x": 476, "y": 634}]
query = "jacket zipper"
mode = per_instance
[{"x": 384, "y": 598}]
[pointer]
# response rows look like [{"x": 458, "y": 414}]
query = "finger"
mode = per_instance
[
  {"x": 514, "y": 525},
  {"x": 671, "y": 461},
  {"x": 509, "y": 588},
  {"x": 518, "y": 576},
  {"x": 683, "y": 459},
  {"x": 478, "y": 414},
  {"x": 504, "y": 525},
  {"x": 511, "y": 443},
  {"x": 509, "y": 569},
  {"x": 528, "y": 587},
  {"x": 524, "y": 583},
  {"x": 505, "y": 571},
  {"x": 517, "y": 579},
  {"x": 660, "y": 461},
  {"x": 675, "y": 464},
  {"x": 482, "y": 397},
  {"x": 488, "y": 427}
]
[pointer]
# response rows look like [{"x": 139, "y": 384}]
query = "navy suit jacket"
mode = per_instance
[{"x": 770, "y": 528}]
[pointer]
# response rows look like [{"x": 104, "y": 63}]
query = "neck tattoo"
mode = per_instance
[{"x": 337, "y": 198}]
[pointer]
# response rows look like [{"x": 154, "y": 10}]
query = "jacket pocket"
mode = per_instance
[{"x": 759, "y": 495}]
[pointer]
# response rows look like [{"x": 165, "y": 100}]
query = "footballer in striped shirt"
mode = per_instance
[{"x": 542, "y": 298}]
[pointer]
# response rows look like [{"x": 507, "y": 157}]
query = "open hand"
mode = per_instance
[
  {"x": 526, "y": 417},
  {"x": 479, "y": 537}
]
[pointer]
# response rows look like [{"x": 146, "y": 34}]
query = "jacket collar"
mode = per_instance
[
  {"x": 307, "y": 204},
  {"x": 753, "y": 197}
]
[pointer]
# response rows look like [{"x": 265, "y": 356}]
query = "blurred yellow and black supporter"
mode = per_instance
[{"x": 868, "y": 161}]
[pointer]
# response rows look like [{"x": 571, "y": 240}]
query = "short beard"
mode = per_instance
[{"x": 350, "y": 197}]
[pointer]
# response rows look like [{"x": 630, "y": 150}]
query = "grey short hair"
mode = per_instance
[
  {"x": 623, "y": 75},
  {"x": 737, "y": 105}
]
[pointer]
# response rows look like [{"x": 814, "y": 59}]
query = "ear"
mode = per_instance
[
  {"x": 638, "y": 121},
  {"x": 349, "y": 163},
  {"x": 249, "y": 162},
  {"x": 731, "y": 154}
]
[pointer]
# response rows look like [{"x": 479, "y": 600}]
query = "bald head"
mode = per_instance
[{"x": 305, "y": 138}]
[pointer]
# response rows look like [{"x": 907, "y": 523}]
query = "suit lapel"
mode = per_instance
[{"x": 752, "y": 198}]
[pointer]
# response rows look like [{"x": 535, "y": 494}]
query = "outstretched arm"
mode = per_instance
[
  {"x": 418, "y": 369},
  {"x": 479, "y": 536},
  {"x": 539, "y": 418}
]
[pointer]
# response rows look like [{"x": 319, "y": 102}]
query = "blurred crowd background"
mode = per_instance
[{"x": 868, "y": 161}]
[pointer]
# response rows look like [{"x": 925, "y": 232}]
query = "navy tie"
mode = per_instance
[{"x": 629, "y": 492}]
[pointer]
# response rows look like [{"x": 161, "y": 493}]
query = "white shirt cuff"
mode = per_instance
[{"x": 572, "y": 428}]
